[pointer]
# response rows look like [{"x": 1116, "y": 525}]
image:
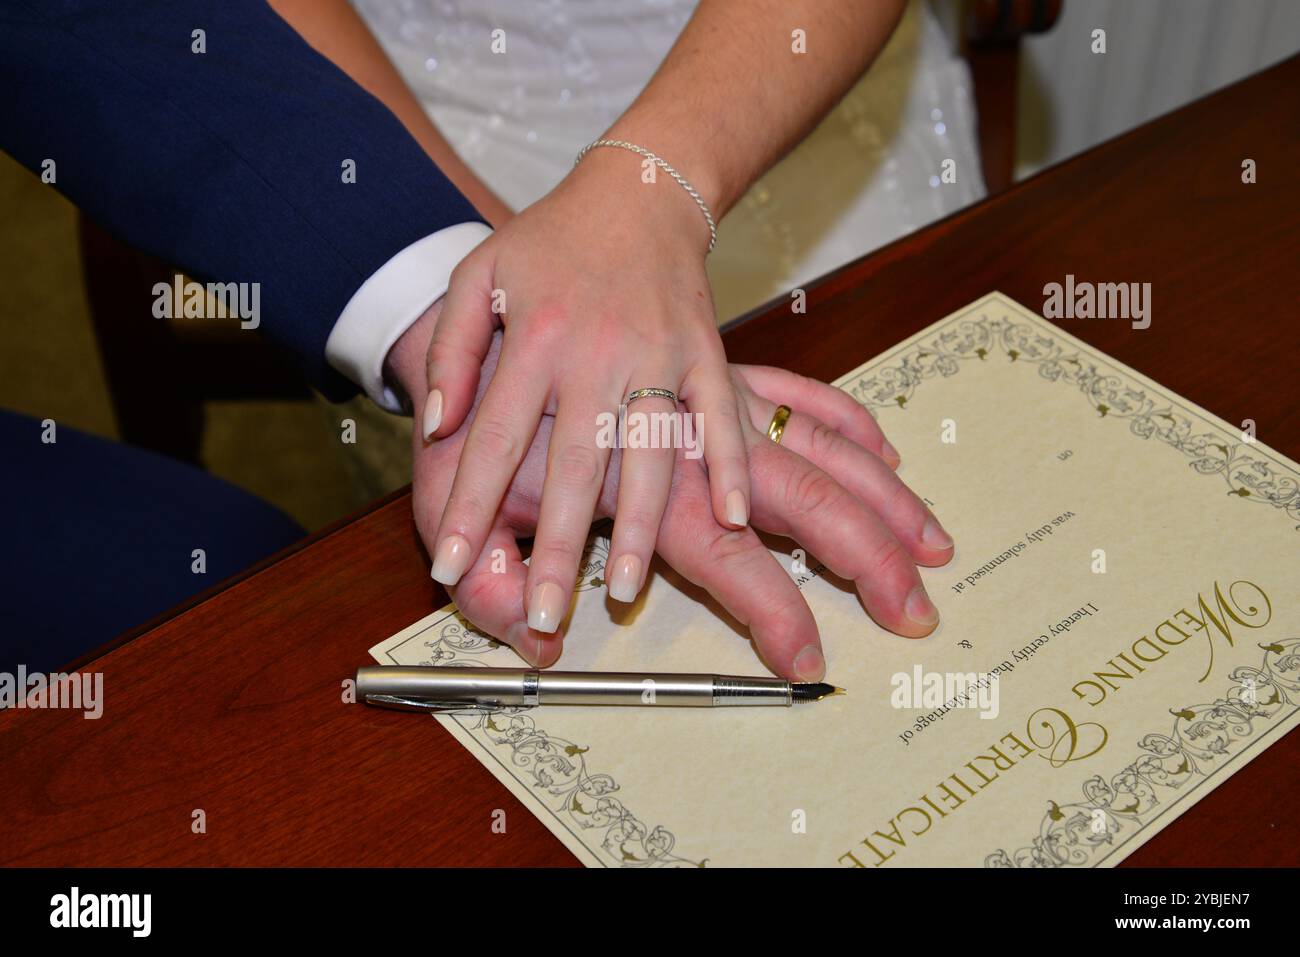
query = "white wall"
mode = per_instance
[{"x": 1160, "y": 55}]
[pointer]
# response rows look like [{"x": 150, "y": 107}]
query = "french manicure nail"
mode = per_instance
[
  {"x": 432, "y": 413},
  {"x": 809, "y": 665},
  {"x": 933, "y": 536},
  {"x": 737, "y": 510},
  {"x": 450, "y": 560},
  {"x": 920, "y": 609},
  {"x": 625, "y": 579},
  {"x": 546, "y": 607},
  {"x": 890, "y": 453}
]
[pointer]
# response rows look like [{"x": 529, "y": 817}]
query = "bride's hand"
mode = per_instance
[
  {"x": 825, "y": 486},
  {"x": 601, "y": 290}
]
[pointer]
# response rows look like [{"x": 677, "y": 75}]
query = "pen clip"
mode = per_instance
[{"x": 399, "y": 703}]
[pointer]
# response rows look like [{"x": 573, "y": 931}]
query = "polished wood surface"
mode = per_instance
[{"x": 234, "y": 706}]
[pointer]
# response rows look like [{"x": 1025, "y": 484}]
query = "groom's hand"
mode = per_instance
[{"x": 826, "y": 486}]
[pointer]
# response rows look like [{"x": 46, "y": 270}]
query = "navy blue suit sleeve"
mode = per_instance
[{"x": 227, "y": 163}]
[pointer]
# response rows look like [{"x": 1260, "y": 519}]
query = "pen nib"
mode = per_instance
[{"x": 813, "y": 691}]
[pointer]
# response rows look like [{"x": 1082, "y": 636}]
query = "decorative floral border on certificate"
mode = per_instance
[
  {"x": 1248, "y": 474},
  {"x": 580, "y": 800},
  {"x": 1204, "y": 738}
]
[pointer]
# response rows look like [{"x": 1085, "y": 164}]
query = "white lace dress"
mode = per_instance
[{"x": 867, "y": 175}]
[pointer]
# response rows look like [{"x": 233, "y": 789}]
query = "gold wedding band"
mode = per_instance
[{"x": 777, "y": 426}]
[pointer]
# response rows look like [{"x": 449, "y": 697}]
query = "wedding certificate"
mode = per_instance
[{"x": 1120, "y": 633}]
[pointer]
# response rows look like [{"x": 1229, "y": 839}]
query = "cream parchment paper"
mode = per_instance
[{"x": 1127, "y": 574}]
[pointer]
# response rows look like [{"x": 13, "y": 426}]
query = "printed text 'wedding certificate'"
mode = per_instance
[{"x": 1124, "y": 598}]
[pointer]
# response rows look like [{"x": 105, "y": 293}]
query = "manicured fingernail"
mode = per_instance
[
  {"x": 625, "y": 579},
  {"x": 432, "y": 413},
  {"x": 890, "y": 453},
  {"x": 933, "y": 536},
  {"x": 809, "y": 665},
  {"x": 920, "y": 609},
  {"x": 522, "y": 641},
  {"x": 451, "y": 560},
  {"x": 737, "y": 509},
  {"x": 546, "y": 607}
]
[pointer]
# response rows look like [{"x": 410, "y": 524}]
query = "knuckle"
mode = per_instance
[
  {"x": 632, "y": 517},
  {"x": 576, "y": 466},
  {"x": 557, "y": 553},
  {"x": 901, "y": 501},
  {"x": 495, "y": 440},
  {"x": 785, "y": 615},
  {"x": 887, "y": 555},
  {"x": 543, "y": 322},
  {"x": 810, "y": 491},
  {"x": 460, "y": 277},
  {"x": 442, "y": 355},
  {"x": 466, "y": 271},
  {"x": 823, "y": 442},
  {"x": 731, "y": 546},
  {"x": 637, "y": 522},
  {"x": 465, "y": 508}
]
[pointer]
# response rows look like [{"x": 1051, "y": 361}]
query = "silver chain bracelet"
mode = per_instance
[{"x": 681, "y": 180}]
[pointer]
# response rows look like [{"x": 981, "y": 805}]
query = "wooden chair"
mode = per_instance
[{"x": 991, "y": 34}]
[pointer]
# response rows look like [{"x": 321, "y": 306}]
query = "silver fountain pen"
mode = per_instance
[{"x": 488, "y": 689}]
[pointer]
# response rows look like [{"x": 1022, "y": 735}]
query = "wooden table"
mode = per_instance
[{"x": 234, "y": 704}]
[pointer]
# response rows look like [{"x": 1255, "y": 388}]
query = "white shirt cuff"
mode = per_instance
[{"x": 389, "y": 302}]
